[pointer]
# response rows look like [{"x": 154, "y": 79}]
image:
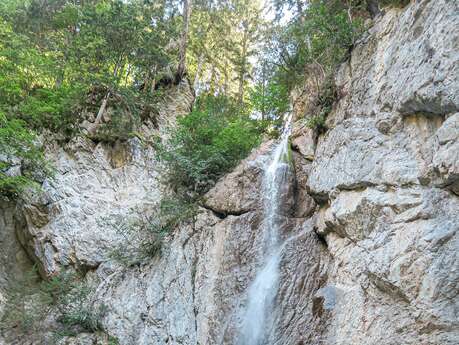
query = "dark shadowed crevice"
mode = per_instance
[
  {"x": 321, "y": 239},
  {"x": 223, "y": 214},
  {"x": 321, "y": 199}
]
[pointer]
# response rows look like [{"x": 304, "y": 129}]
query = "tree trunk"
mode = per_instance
[
  {"x": 187, "y": 4},
  {"x": 153, "y": 81},
  {"x": 212, "y": 80},
  {"x": 101, "y": 111},
  {"x": 243, "y": 66},
  {"x": 264, "y": 81},
  {"x": 226, "y": 80},
  {"x": 198, "y": 72},
  {"x": 100, "y": 114}
]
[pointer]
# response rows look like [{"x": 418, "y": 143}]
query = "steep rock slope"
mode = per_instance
[
  {"x": 371, "y": 223},
  {"x": 82, "y": 212},
  {"x": 386, "y": 176}
]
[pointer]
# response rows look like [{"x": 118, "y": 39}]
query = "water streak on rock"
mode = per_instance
[{"x": 257, "y": 321}]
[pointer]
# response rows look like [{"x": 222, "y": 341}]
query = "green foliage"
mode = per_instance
[
  {"x": 269, "y": 99},
  {"x": 83, "y": 318},
  {"x": 317, "y": 122},
  {"x": 172, "y": 212},
  {"x": 311, "y": 46},
  {"x": 322, "y": 35},
  {"x": 326, "y": 98},
  {"x": 53, "y": 53},
  {"x": 139, "y": 243},
  {"x": 18, "y": 147},
  {"x": 143, "y": 238},
  {"x": 25, "y": 83},
  {"x": 223, "y": 42},
  {"x": 327, "y": 94},
  {"x": 205, "y": 144},
  {"x": 113, "y": 341},
  {"x": 30, "y": 302},
  {"x": 52, "y": 108}
]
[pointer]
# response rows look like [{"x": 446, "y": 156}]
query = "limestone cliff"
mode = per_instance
[{"x": 373, "y": 214}]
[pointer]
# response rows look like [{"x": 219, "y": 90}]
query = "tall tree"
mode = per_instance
[
  {"x": 187, "y": 7},
  {"x": 248, "y": 21}
]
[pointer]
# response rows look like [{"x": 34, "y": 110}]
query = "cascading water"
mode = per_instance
[{"x": 257, "y": 321}]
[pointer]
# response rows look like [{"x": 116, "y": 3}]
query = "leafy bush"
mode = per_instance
[
  {"x": 21, "y": 160},
  {"x": 30, "y": 301},
  {"x": 113, "y": 341},
  {"x": 270, "y": 100},
  {"x": 143, "y": 238},
  {"x": 53, "y": 108},
  {"x": 82, "y": 318},
  {"x": 205, "y": 144},
  {"x": 317, "y": 122}
]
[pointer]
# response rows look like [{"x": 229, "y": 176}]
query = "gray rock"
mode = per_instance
[
  {"x": 407, "y": 64},
  {"x": 238, "y": 192},
  {"x": 445, "y": 162},
  {"x": 355, "y": 154},
  {"x": 383, "y": 175},
  {"x": 304, "y": 141}
]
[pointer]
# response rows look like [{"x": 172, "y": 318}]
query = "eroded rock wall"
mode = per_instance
[
  {"x": 371, "y": 251},
  {"x": 385, "y": 174}
]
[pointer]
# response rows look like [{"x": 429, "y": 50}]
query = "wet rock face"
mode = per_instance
[{"x": 371, "y": 215}]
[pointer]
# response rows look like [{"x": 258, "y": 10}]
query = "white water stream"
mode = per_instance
[{"x": 257, "y": 321}]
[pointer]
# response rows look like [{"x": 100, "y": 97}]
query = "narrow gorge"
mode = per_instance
[{"x": 341, "y": 236}]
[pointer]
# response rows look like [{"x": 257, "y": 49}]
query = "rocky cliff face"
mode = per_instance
[{"x": 372, "y": 229}]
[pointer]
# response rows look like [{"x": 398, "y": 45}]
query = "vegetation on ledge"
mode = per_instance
[
  {"x": 64, "y": 301},
  {"x": 206, "y": 143}
]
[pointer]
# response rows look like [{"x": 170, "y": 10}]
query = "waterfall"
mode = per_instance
[{"x": 257, "y": 320}]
